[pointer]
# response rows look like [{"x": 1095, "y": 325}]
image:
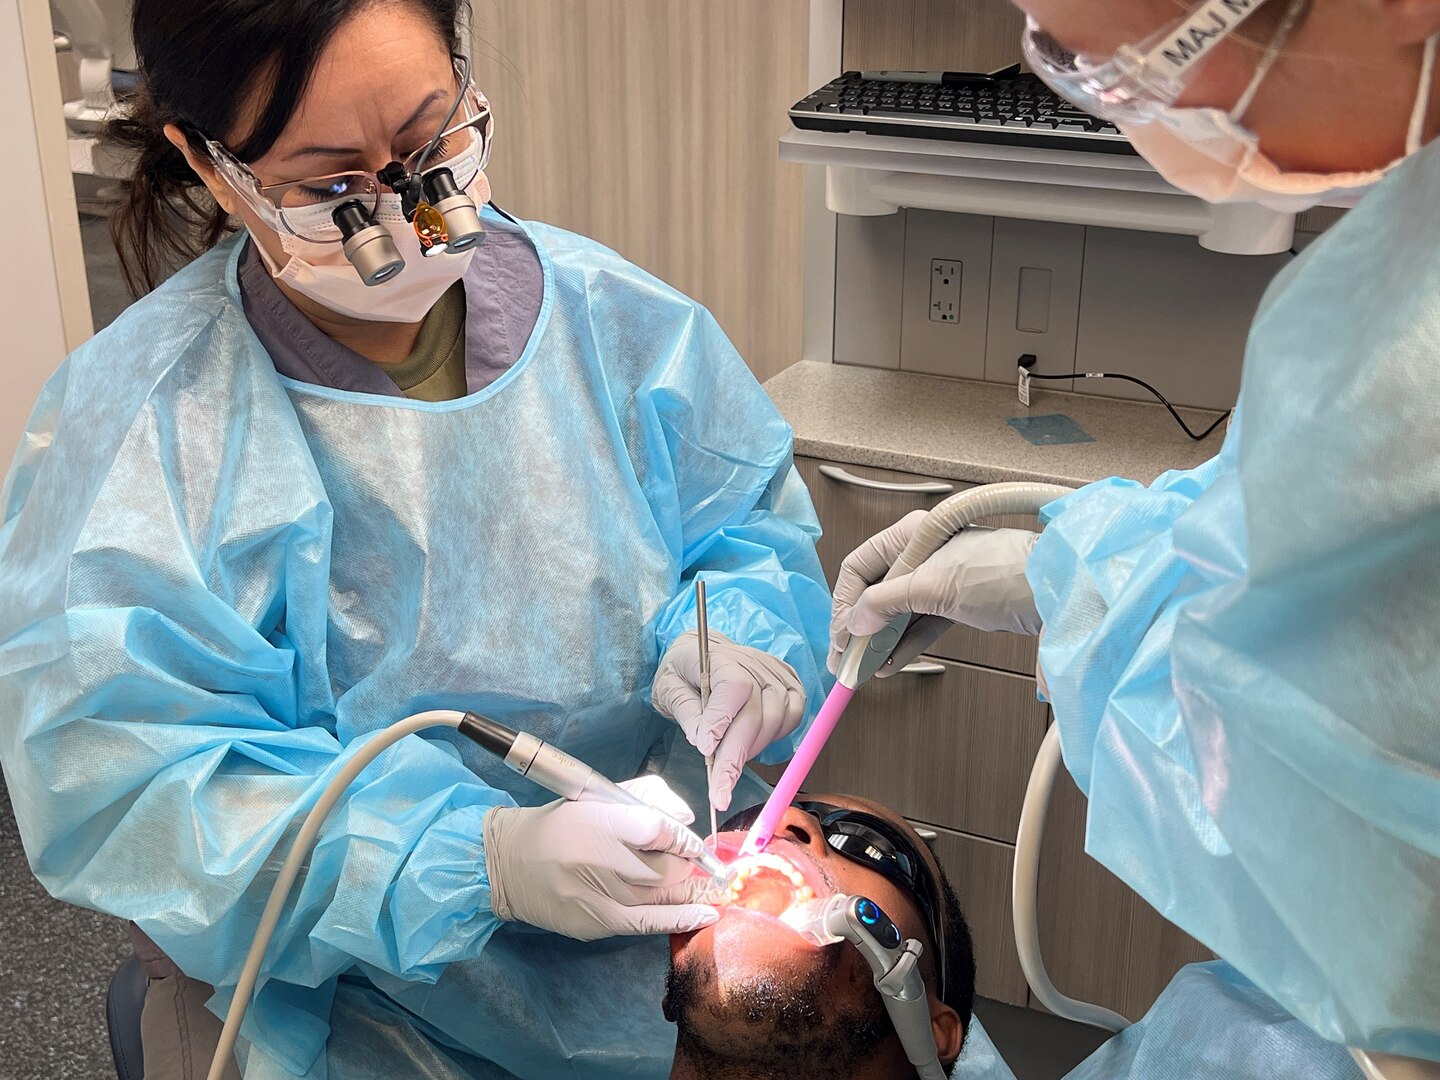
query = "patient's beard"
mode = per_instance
[{"x": 819, "y": 1027}]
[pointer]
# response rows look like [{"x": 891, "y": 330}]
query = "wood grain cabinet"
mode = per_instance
[
  {"x": 980, "y": 872},
  {"x": 1101, "y": 942},
  {"x": 949, "y": 742},
  {"x": 951, "y": 745}
]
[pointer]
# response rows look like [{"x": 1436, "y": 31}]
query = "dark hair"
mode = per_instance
[
  {"x": 959, "y": 989},
  {"x": 200, "y": 61}
]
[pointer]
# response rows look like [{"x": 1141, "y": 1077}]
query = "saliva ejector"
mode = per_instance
[{"x": 866, "y": 656}]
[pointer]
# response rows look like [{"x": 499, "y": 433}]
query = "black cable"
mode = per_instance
[{"x": 1138, "y": 382}]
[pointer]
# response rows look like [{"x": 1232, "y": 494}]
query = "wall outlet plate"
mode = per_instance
[
  {"x": 933, "y": 341},
  {"x": 945, "y": 277}
]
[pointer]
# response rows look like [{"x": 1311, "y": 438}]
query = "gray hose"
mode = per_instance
[
  {"x": 864, "y": 656},
  {"x": 964, "y": 509},
  {"x": 299, "y": 852}
]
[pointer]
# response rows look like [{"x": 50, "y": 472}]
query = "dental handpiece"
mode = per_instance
[{"x": 558, "y": 772}]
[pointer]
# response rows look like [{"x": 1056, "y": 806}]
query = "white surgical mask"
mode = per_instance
[
  {"x": 321, "y": 271},
  {"x": 1208, "y": 153}
]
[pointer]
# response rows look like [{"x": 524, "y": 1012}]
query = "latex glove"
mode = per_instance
[
  {"x": 592, "y": 870},
  {"x": 754, "y": 700},
  {"x": 977, "y": 578}
]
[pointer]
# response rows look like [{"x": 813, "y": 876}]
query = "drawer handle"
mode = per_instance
[
  {"x": 928, "y": 835},
  {"x": 923, "y": 667},
  {"x": 928, "y": 487}
]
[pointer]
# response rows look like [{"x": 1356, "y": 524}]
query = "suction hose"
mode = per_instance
[
  {"x": 867, "y": 655},
  {"x": 864, "y": 656},
  {"x": 299, "y": 852}
]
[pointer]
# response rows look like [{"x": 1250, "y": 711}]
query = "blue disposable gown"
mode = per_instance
[
  {"x": 214, "y": 582},
  {"x": 1209, "y": 1023},
  {"x": 1244, "y": 659}
]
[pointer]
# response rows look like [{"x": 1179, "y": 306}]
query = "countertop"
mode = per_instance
[{"x": 958, "y": 429}]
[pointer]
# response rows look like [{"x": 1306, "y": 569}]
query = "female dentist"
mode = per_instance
[
  {"x": 1244, "y": 659},
  {"x": 317, "y": 481}
]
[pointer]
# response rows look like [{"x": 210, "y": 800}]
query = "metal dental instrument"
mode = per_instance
[
  {"x": 558, "y": 772},
  {"x": 702, "y": 625}
]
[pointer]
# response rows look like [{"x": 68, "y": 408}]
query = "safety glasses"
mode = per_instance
[
  {"x": 878, "y": 845},
  {"x": 1138, "y": 81},
  {"x": 306, "y": 208}
]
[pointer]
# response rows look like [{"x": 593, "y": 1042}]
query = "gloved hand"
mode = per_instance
[
  {"x": 754, "y": 700},
  {"x": 977, "y": 578},
  {"x": 591, "y": 870}
]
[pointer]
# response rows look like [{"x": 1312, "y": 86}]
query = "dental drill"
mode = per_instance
[
  {"x": 894, "y": 963},
  {"x": 865, "y": 656},
  {"x": 552, "y": 769},
  {"x": 558, "y": 772}
]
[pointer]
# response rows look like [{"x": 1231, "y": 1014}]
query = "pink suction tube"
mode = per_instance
[
  {"x": 760, "y": 834},
  {"x": 960, "y": 510}
]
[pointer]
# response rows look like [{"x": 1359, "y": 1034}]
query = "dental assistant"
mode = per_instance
[
  {"x": 320, "y": 479},
  {"x": 1244, "y": 658}
]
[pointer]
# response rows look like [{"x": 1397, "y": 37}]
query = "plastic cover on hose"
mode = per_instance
[
  {"x": 1244, "y": 659},
  {"x": 1209, "y": 1023}
]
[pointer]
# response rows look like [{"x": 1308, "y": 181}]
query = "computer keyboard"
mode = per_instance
[{"x": 1008, "y": 108}]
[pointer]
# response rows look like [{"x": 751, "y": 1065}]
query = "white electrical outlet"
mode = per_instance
[
  {"x": 941, "y": 246},
  {"x": 945, "y": 291}
]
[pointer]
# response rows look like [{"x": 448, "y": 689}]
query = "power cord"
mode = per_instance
[{"x": 1027, "y": 361}]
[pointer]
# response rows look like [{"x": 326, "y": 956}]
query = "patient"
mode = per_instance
[{"x": 751, "y": 1000}]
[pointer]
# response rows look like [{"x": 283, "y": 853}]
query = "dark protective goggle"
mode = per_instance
[{"x": 878, "y": 845}]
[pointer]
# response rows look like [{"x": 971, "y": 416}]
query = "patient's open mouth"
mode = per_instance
[{"x": 767, "y": 883}]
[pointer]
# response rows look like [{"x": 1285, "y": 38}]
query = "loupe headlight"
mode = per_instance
[
  {"x": 462, "y": 219},
  {"x": 367, "y": 244}
]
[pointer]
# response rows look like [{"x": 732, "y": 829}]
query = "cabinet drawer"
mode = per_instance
[
  {"x": 952, "y": 747},
  {"x": 850, "y": 514},
  {"x": 980, "y": 872}
]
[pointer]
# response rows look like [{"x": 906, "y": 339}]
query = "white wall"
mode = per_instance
[{"x": 44, "y": 306}]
